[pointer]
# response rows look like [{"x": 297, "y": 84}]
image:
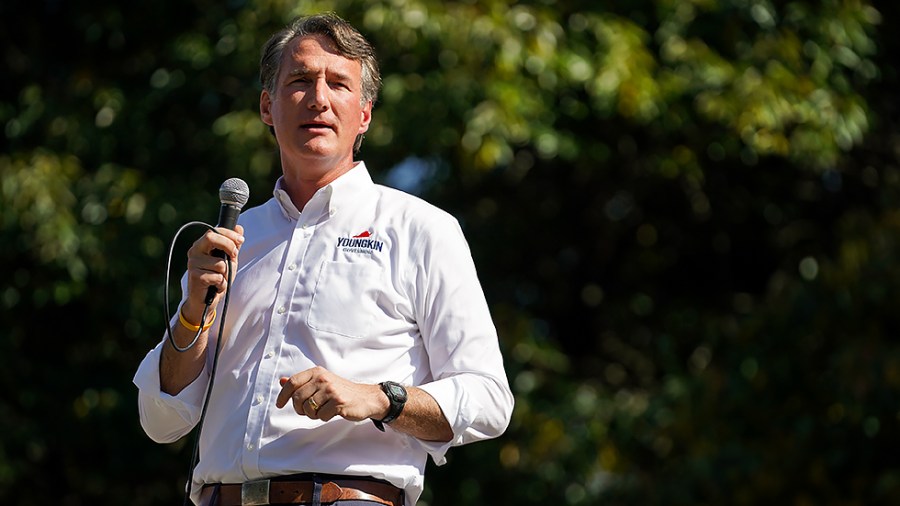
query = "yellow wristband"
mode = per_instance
[{"x": 195, "y": 328}]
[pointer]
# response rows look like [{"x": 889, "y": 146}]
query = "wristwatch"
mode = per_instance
[{"x": 397, "y": 395}]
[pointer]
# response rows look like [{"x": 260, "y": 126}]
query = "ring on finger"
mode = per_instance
[{"x": 313, "y": 404}]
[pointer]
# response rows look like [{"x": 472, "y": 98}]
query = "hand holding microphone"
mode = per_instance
[
  {"x": 233, "y": 195},
  {"x": 207, "y": 268}
]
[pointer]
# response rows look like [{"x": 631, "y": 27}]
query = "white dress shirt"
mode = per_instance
[{"x": 368, "y": 282}]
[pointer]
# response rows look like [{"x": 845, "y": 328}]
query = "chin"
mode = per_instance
[{"x": 317, "y": 150}]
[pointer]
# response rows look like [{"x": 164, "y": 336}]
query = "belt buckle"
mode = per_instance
[{"x": 254, "y": 493}]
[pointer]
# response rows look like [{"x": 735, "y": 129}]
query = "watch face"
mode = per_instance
[{"x": 397, "y": 392}]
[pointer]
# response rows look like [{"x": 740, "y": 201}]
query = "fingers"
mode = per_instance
[
  {"x": 204, "y": 268},
  {"x": 297, "y": 389},
  {"x": 314, "y": 410},
  {"x": 309, "y": 394},
  {"x": 222, "y": 239}
]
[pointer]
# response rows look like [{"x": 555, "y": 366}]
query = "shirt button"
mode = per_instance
[
  {"x": 250, "y": 447},
  {"x": 292, "y": 267},
  {"x": 269, "y": 354},
  {"x": 259, "y": 399},
  {"x": 282, "y": 310}
]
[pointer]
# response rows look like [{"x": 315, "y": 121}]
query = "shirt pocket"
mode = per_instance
[{"x": 345, "y": 298}]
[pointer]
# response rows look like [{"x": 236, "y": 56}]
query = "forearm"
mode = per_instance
[
  {"x": 178, "y": 369},
  {"x": 421, "y": 417}
]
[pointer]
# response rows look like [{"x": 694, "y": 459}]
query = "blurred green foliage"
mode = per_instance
[{"x": 683, "y": 213}]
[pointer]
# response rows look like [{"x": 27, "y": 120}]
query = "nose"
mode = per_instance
[{"x": 318, "y": 96}]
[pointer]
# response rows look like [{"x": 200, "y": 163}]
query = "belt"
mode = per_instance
[{"x": 301, "y": 492}]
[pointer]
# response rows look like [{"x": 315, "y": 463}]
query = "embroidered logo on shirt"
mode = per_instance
[{"x": 360, "y": 243}]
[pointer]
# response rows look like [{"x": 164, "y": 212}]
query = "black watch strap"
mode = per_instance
[{"x": 396, "y": 394}]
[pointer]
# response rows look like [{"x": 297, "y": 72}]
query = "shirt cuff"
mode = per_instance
[
  {"x": 186, "y": 403},
  {"x": 460, "y": 409}
]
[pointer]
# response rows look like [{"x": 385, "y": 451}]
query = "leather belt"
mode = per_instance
[{"x": 300, "y": 492}]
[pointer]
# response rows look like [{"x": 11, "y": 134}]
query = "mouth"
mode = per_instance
[{"x": 316, "y": 126}]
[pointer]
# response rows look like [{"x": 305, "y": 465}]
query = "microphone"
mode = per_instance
[{"x": 233, "y": 194}]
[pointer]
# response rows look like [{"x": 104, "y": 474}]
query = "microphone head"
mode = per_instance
[{"x": 234, "y": 191}]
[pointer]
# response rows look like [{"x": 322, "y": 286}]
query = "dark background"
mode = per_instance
[{"x": 684, "y": 215}]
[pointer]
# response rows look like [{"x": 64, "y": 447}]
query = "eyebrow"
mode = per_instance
[{"x": 300, "y": 71}]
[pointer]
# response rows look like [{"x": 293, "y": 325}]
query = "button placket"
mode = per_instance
[{"x": 267, "y": 374}]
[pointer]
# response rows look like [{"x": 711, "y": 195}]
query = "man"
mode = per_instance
[{"x": 357, "y": 339}]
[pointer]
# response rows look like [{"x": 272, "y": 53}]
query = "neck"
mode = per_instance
[{"x": 302, "y": 185}]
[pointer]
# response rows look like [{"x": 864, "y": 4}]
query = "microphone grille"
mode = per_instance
[{"x": 234, "y": 191}]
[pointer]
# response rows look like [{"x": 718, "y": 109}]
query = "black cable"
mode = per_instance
[
  {"x": 166, "y": 296},
  {"x": 212, "y": 374}
]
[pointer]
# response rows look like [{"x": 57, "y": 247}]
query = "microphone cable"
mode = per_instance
[{"x": 212, "y": 374}]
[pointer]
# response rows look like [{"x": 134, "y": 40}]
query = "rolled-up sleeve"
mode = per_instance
[
  {"x": 166, "y": 418},
  {"x": 470, "y": 383}
]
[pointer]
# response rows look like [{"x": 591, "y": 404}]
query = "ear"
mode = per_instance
[
  {"x": 265, "y": 107},
  {"x": 365, "y": 117}
]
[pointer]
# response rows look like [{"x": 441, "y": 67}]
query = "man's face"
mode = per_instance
[{"x": 316, "y": 106}]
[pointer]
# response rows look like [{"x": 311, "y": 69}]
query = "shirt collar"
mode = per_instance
[{"x": 342, "y": 191}]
